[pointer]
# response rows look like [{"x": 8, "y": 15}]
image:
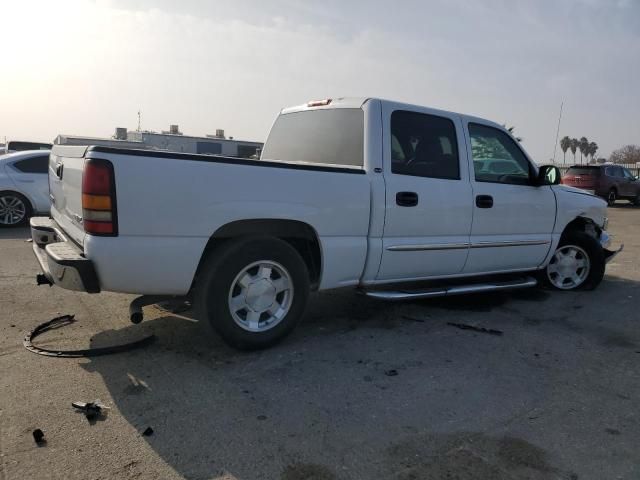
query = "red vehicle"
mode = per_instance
[{"x": 611, "y": 182}]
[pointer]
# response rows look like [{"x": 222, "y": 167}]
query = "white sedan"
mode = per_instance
[{"x": 24, "y": 186}]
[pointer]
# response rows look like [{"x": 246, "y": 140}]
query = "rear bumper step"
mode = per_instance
[
  {"x": 61, "y": 261},
  {"x": 397, "y": 295}
]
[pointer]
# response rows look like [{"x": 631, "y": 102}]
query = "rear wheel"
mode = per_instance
[
  {"x": 636, "y": 200},
  {"x": 15, "y": 209},
  {"x": 612, "y": 196},
  {"x": 253, "y": 291},
  {"x": 577, "y": 263}
]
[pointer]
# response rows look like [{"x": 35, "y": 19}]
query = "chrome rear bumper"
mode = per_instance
[{"x": 61, "y": 261}]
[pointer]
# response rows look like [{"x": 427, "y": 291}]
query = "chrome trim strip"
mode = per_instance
[
  {"x": 510, "y": 243},
  {"x": 457, "y": 246},
  {"x": 432, "y": 246}
]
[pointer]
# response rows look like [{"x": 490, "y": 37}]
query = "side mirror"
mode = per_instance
[{"x": 548, "y": 175}]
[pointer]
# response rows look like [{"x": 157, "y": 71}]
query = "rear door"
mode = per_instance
[
  {"x": 30, "y": 175},
  {"x": 428, "y": 195},
  {"x": 65, "y": 185},
  {"x": 512, "y": 219}
]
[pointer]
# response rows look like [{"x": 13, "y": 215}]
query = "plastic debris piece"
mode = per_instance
[
  {"x": 464, "y": 326},
  {"x": 38, "y": 436}
]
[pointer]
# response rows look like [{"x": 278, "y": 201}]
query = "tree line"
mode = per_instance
[
  {"x": 629, "y": 154},
  {"x": 587, "y": 149}
]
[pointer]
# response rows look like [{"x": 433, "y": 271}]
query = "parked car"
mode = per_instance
[
  {"x": 611, "y": 182},
  {"x": 21, "y": 146},
  {"x": 24, "y": 187},
  {"x": 365, "y": 193}
]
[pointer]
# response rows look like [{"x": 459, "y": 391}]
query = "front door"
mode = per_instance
[
  {"x": 629, "y": 186},
  {"x": 428, "y": 195},
  {"x": 512, "y": 219}
]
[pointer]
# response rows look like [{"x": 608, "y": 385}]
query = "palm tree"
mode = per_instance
[
  {"x": 593, "y": 148},
  {"x": 583, "y": 145},
  {"x": 574, "y": 146},
  {"x": 565, "y": 143}
]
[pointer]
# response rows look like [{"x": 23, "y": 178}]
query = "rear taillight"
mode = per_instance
[{"x": 99, "y": 215}]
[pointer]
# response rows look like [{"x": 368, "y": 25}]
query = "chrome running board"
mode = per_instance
[{"x": 397, "y": 295}]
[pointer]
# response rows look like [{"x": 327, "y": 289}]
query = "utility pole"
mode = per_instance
[
  {"x": 555, "y": 147},
  {"x": 139, "y": 116}
]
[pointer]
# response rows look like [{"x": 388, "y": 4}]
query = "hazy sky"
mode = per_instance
[{"x": 85, "y": 67}]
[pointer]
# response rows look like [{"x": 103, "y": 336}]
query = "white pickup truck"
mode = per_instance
[{"x": 357, "y": 192}]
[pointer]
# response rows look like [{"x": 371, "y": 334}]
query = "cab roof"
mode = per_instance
[{"x": 358, "y": 102}]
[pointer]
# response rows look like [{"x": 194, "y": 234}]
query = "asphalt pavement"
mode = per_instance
[{"x": 361, "y": 390}]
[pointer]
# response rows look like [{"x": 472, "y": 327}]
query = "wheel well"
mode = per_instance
[
  {"x": 582, "y": 224},
  {"x": 299, "y": 235}
]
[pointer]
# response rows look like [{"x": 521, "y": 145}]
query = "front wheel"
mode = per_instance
[
  {"x": 577, "y": 263},
  {"x": 253, "y": 291}
]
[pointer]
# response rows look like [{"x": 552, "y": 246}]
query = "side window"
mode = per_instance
[
  {"x": 424, "y": 146},
  {"x": 609, "y": 172},
  {"x": 496, "y": 157},
  {"x": 627, "y": 174},
  {"x": 33, "y": 164}
]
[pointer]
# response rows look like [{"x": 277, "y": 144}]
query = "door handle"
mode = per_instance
[
  {"x": 407, "y": 199},
  {"x": 59, "y": 170},
  {"x": 484, "y": 201}
]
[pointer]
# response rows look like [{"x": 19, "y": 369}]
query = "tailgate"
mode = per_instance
[{"x": 65, "y": 189}]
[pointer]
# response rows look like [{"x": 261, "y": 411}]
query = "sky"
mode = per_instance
[{"x": 87, "y": 66}]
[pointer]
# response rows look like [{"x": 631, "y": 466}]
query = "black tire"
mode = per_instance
[
  {"x": 612, "y": 196},
  {"x": 26, "y": 205},
  {"x": 596, "y": 259},
  {"x": 218, "y": 273},
  {"x": 636, "y": 201}
]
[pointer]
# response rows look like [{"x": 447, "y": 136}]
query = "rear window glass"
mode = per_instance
[
  {"x": 21, "y": 146},
  {"x": 332, "y": 136},
  {"x": 583, "y": 171}
]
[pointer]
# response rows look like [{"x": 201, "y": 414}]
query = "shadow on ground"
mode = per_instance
[
  {"x": 325, "y": 404},
  {"x": 15, "y": 233}
]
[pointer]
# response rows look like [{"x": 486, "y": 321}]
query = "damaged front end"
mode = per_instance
[{"x": 604, "y": 238}]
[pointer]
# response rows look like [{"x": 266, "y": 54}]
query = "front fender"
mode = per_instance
[{"x": 573, "y": 203}]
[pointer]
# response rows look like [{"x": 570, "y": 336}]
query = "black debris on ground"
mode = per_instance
[
  {"x": 464, "y": 326},
  {"x": 92, "y": 410},
  {"x": 391, "y": 373},
  {"x": 38, "y": 436}
]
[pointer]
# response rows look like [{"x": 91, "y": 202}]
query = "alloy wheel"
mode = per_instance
[
  {"x": 12, "y": 210},
  {"x": 569, "y": 267},
  {"x": 260, "y": 296}
]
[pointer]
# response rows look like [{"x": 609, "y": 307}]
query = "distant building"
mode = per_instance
[{"x": 172, "y": 140}]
